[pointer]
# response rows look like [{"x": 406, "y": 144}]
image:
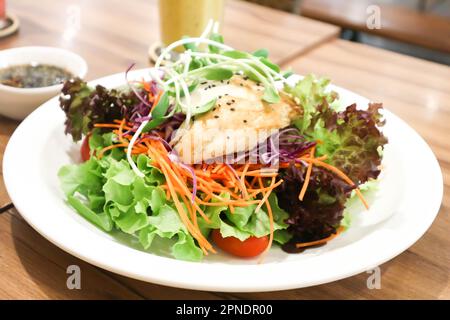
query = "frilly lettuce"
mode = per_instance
[
  {"x": 350, "y": 138},
  {"x": 310, "y": 93}
]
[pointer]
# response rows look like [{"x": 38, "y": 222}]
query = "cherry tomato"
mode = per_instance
[
  {"x": 248, "y": 248},
  {"x": 85, "y": 151}
]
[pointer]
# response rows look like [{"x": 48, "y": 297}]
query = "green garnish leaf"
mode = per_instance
[
  {"x": 261, "y": 53},
  {"x": 218, "y": 38},
  {"x": 287, "y": 74},
  {"x": 158, "y": 113},
  {"x": 271, "y": 95},
  {"x": 189, "y": 46},
  {"x": 217, "y": 74},
  {"x": 235, "y": 54},
  {"x": 270, "y": 64},
  {"x": 204, "y": 108},
  {"x": 191, "y": 88},
  {"x": 161, "y": 108}
]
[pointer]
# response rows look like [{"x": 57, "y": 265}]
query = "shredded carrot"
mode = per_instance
[
  {"x": 244, "y": 171},
  {"x": 214, "y": 170},
  {"x": 111, "y": 125},
  {"x": 267, "y": 194},
  {"x": 106, "y": 125},
  {"x": 307, "y": 177},
  {"x": 195, "y": 232},
  {"x": 361, "y": 197},
  {"x": 270, "y": 214},
  {"x": 120, "y": 133},
  {"x": 317, "y": 242},
  {"x": 171, "y": 174},
  {"x": 100, "y": 154},
  {"x": 342, "y": 175}
]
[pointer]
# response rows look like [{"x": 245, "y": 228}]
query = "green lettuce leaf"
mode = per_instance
[
  {"x": 244, "y": 222},
  {"x": 101, "y": 220},
  {"x": 310, "y": 93},
  {"x": 85, "y": 178},
  {"x": 167, "y": 224}
]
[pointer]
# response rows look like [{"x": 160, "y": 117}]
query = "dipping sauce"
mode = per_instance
[{"x": 33, "y": 75}]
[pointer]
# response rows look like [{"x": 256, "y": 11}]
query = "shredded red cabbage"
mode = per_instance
[
  {"x": 283, "y": 146},
  {"x": 138, "y": 95}
]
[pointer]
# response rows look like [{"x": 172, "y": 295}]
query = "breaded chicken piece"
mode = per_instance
[{"x": 239, "y": 121}]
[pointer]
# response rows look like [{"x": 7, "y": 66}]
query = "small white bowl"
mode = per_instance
[{"x": 17, "y": 103}]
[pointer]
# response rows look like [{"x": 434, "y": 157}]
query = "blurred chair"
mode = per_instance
[{"x": 397, "y": 22}]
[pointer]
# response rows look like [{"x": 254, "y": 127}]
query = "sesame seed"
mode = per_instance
[
  {"x": 216, "y": 116},
  {"x": 229, "y": 103},
  {"x": 232, "y": 109},
  {"x": 245, "y": 121}
]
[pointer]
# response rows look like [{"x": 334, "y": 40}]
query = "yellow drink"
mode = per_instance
[{"x": 180, "y": 18}]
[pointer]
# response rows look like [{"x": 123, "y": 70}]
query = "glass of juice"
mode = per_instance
[{"x": 180, "y": 18}]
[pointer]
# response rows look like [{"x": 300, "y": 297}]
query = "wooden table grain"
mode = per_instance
[{"x": 416, "y": 90}]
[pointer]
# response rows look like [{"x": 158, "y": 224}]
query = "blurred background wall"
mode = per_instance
[{"x": 419, "y": 28}]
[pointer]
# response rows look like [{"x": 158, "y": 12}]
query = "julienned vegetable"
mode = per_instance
[{"x": 293, "y": 193}]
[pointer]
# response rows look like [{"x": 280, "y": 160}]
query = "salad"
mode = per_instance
[{"x": 217, "y": 150}]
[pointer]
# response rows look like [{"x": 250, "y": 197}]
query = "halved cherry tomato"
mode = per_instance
[
  {"x": 85, "y": 150},
  {"x": 248, "y": 248}
]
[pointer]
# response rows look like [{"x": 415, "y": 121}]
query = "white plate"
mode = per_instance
[{"x": 403, "y": 208}]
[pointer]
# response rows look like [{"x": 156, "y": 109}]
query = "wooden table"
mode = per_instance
[{"x": 34, "y": 268}]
